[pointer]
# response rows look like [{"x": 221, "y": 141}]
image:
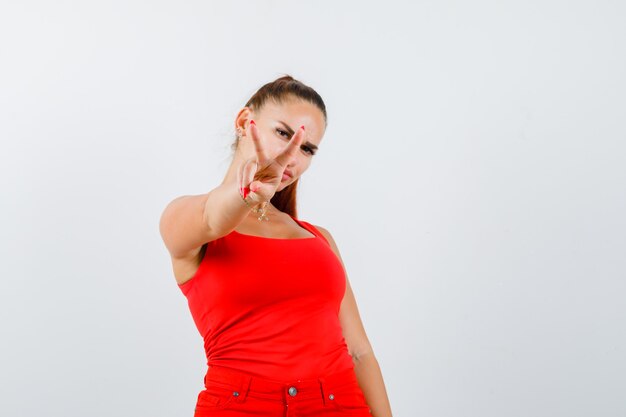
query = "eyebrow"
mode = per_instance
[{"x": 291, "y": 132}]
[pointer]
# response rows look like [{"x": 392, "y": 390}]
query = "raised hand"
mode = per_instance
[{"x": 260, "y": 175}]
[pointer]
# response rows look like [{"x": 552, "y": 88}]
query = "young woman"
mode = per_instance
[{"x": 267, "y": 291}]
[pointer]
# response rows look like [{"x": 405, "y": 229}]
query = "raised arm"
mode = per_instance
[{"x": 190, "y": 221}]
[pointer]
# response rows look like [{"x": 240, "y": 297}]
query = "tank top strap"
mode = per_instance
[{"x": 308, "y": 226}]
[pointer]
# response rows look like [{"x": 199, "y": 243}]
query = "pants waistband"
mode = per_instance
[{"x": 249, "y": 385}]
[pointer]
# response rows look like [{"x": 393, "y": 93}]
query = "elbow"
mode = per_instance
[{"x": 358, "y": 355}]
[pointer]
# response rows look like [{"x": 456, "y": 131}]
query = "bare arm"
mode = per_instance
[
  {"x": 190, "y": 221},
  {"x": 366, "y": 365}
]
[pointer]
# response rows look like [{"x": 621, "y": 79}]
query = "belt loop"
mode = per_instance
[{"x": 244, "y": 387}]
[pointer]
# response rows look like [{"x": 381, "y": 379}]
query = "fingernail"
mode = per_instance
[
  {"x": 302, "y": 127},
  {"x": 252, "y": 122}
]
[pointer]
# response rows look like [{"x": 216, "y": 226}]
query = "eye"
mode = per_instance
[
  {"x": 303, "y": 147},
  {"x": 280, "y": 131}
]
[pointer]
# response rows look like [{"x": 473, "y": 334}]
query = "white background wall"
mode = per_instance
[{"x": 473, "y": 175}]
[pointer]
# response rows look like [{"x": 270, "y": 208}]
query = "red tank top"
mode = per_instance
[{"x": 270, "y": 306}]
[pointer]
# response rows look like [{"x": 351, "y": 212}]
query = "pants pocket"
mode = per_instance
[
  {"x": 214, "y": 397},
  {"x": 348, "y": 397}
]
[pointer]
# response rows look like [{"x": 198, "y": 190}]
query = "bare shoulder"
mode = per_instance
[
  {"x": 324, "y": 231},
  {"x": 328, "y": 237}
]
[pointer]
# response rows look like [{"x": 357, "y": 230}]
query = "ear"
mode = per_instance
[{"x": 243, "y": 118}]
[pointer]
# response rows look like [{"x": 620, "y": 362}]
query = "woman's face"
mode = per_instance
[{"x": 276, "y": 124}]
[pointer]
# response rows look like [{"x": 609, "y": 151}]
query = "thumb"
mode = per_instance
[{"x": 255, "y": 188}]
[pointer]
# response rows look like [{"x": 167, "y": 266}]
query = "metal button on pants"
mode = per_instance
[{"x": 232, "y": 393}]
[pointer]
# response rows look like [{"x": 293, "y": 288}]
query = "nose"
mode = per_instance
[{"x": 292, "y": 162}]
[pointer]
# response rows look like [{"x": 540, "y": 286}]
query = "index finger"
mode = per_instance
[
  {"x": 256, "y": 140},
  {"x": 292, "y": 147}
]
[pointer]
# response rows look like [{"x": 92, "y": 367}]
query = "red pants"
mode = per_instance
[{"x": 231, "y": 393}]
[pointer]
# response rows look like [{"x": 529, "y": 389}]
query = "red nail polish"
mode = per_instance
[
  {"x": 252, "y": 122},
  {"x": 246, "y": 191},
  {"x": 302, "y": 127}
]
